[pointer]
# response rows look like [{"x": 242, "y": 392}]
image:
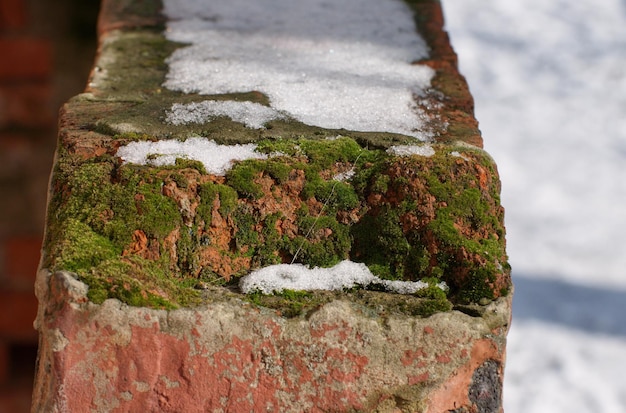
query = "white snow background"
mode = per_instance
[{"x": 549, "y": 81}]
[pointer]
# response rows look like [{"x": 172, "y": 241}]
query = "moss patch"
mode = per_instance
[
  {"x": 301, "y": 303},
  {"x": 313, "y": 201},
  {"x": 148, "y": 235},
  {"x": 436, "y": 217}
]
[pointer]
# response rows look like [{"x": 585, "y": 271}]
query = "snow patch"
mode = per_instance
[
  {"x": 253, "y": 115},
  {"x": 217, "y": 159},
  {"x": 344, "y": 64},
  {"x": 457, "y": 154},
  {"x": 408, "y": 150},
  {"x": 344, "y": 176},
  {"x": 346, "y": 274}
]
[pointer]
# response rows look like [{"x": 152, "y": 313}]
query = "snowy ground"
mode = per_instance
[{"x": 549, "y": 79}]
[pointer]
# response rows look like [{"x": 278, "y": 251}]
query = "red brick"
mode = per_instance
[
  {"x": 25, "y": 58},
  {"x": 27, "y": 104},
  {"x": 21, "y": 257},
  {"x": 12, "y": 14},
  {"x": 17, "y": 313}
]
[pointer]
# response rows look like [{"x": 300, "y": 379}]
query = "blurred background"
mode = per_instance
[
  {"x": 549, "y": 80},
  {"x": 46, "y": 52}
]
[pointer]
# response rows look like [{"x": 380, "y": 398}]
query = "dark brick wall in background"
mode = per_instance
[{"x": 46, "y": 52}]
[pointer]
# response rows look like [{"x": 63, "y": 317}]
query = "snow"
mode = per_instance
[
  {"x": 549, "y": 85},
  {"x": 253, "y": 115},
  {"x": 346, "y": 274},
  {"x": 217, "y": 159},
  {"x": 345, "y": 64},
  {"x": 408, "y": 150},
  {"x": 344, "y": 176}
]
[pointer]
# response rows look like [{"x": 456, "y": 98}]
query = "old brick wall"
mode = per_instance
[
  {"x": 46, "y": 51},
  {"x": 110, "y": 340}
]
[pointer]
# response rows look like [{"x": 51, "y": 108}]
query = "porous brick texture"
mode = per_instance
[
  {"x": 233, "y": 356},
  {"x": 139, "y": 301}
]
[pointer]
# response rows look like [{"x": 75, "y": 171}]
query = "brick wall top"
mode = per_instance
[
  {"x": 211, "y": 246},
  {"x": 432, "y": 215}
]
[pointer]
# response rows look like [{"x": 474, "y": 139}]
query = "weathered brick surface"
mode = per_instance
[
  {"x": 150, "y": 318},
  {"x": 235, "y": 357}
]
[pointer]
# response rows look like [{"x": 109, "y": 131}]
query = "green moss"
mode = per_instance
[
  {"x": 88, "y": 193},
  {"x": 433, "y": 291},
  {"x": 100, "y": 204},
  {"x": 290, "y": 303},
  {"x": 322, "y": 241},
  {"x": 430, "y": 306},
  {"x": 138, "y": 282},
  {"x": 126, "y": 136},
  {"x": 278, "y": 170},
  {"x": 321, "y": 152},
  {"x": 158, "y": 214},
  {"x": 208, "y": 192},
  {"x": 381, "y": 184},
  {"x": 327, "y": 152},
  {"x": 140, "y": 67},
  {"x": 114, "y": 204},
  {"x": 287, "y": 147},
  {"x": 372, "y": 165},
  {"x": 82, "y": 248},
  {"x": 301, "y": 303},
  {"x": 190, "y": 163},
  {"x": 381, "y": 244},
  {"x": 181, "y": 180},
  {"x": 334, "y": 194},
  {"x": 267, "y": 253},
  {"x": 241, "y": 178},
  {"x": 436, "y": 248},
  {"x": 245, "y": 235},
  {"x": 186, "y": 250}
]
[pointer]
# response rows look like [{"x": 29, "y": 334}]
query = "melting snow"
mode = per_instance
[
  {"x": 459, "y": 155},
  {"x": 344, "y": 176},
  {"x": 217, "y": 159},
  {"x": 253, "y": 115},
  {"x": 343, "y": 64},
  {"x": 346, "y": 274},
  {"x": 408, "y": 150}
]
